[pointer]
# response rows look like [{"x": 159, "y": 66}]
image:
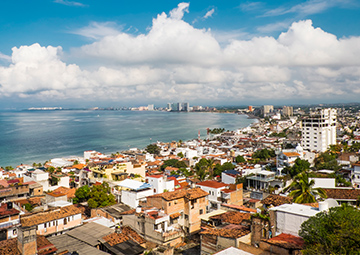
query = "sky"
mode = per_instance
[{"x": 130, "y": 53}]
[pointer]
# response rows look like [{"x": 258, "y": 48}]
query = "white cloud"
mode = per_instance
[
  {"x": 309, "y": 7},
  {"x": 5, "y": 57},
  {"x": 98, "y": 30},
  {"x": 175, "y": 61},
  {"x": 209, "y": 13},
  {"x": 178, "y": 13},
  {"x": 69, "y": 3}
]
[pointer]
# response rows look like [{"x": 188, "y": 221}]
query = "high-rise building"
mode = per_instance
[
  {"x": 250, "y": 108},
  {"x": 168, "y": 106},
  {"x": 287, "y": 111},
  {"x": 266, "y": 109},
  {"x": 150, "y": 107},
  {"x": 319, "y": 130},
  {"x": 179, "y": 107}
]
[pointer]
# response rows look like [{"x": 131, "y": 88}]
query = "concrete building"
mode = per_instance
[
  {"x": 319, "y": 130},
  {"x": 53, "y": 221},
  {"x": 266, "y": 109},
  {"x": 134, "y": 191},
  {"x": 9, "y": 221},
  {"x": 287, "y": 111},
  {"x": 183, "y": 206},
  {"x": 160, "y": 183}
]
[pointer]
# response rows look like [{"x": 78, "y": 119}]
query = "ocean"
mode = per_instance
[{"x": 36, "y": 136}]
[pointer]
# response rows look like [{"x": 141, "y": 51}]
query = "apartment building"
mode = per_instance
[
  {"x": 319, "y": 130},
  {"x": 183, "y": 206}
]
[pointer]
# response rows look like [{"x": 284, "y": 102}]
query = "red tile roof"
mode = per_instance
[
  {"x": 287, "y": 241},
  {"x": 186, "y": 193},
  {"x": 232, "y": 217},
  {"x": 49, "y": 215},
  {"x": 343, "y": 193},
  {"x": 230, "y": 233},
  {"x": 276, "y": 200},
  {"x": 240, "y": 208},
  {"x": 212, "y": 184}
]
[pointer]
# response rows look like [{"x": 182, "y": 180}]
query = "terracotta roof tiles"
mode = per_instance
[
  {"x": 232, "y": 217},
  {"x": 186, "y": 193},
  {"x": 287, "y": 241},
  {"x": 212, "y": 184},
  {"x": 230, "y": 233},
  {"x": 343, "y": 193},
  {"x": 49, "y": 215},
  {"x": 276, "y": 200}
]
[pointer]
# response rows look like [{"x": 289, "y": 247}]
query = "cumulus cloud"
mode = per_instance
[{"x": 175, "y": 61}]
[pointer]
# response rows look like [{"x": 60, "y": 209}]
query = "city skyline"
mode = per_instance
[{"x": 81, "y": 54}]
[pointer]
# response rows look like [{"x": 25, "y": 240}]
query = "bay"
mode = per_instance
[{"x": 37, "y": 136}]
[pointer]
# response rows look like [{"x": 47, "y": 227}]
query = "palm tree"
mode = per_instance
[
  {"x": 303, "y": 191},
  {"x": 210, "y": 166}
]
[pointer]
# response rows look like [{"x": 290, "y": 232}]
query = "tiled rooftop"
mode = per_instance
[
  {"x": 49, "y": 215},
  {"x": 230, "y": 233},
  {"x": 232, "y": 217},
  {"x": 343, "y": 193},
  {"x": 276, "y": 200},
  {"x": 287, "y": 241},
  {"x": 212, "y": 184},
  {"x": 188, "y": 193}
]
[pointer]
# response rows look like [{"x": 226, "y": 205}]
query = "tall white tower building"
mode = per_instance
[{"x": 319, "y": 130}]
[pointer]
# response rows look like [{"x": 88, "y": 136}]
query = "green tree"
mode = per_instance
[
  {"x": 335, "y": 231},
  {"x": 153, "y": 149},
  {"x": 28, "y": 207},
  {"x": 180, "y": 154},
  {"x": 82, "y": 194},
  {"x": 201, "y": 168},
  {"x": 101, "y": 196},
  {"x": 355, "y": 147},
  {"x": 240, "y": 159},
  {"x": 300, "y": 166},
  {"x": 174, "y": 163},
  {"x": 264, "y": 154},
  {"x": 302, "y": 189},
  {"x": 327, "y": 160},
  {"x": 51, "y": 169}
]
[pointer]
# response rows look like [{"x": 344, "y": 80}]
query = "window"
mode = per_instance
[
  {"x": 201, "y": 211},
  {"x": 169, "y": 203},
  {"x": 15, "y": 232},
  {"x": 65, "y": 221},
  {"x": 44, "y": 225},
  {"x": 186, "y": 217}
]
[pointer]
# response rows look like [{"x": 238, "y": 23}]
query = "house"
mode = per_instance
[
  {"x": 261, "y": 180},
  {"x": 9, "y": 221},
  {"x": 160, "y": 183},
  {"x": 132, "y": 192},
  {"x": 217, "y": 239},
  {"x": 287, "y": 158},
  {"x": 54, "y": 220},
  {"x": 126, "y": 242},
  {"x": 155, "y": 226},
  {"x": 344, "y": 195},
  {"x": 275, "y": 200},
  {"x": 283, "y": 244},
  {"x": 184, "y": 206},
  {"x": 214, "y": 189},
  {"x": 83, "y": 240},
  {"x": 27, "y": 243},
  {"x": 14, "y": 191},
  {"x": 355, "y": 175},
  {"x": 229, "y": 176},
  {"x": 116, "y": 172},
  {"x": 113, "y": 212},
  {"x": 287, "y": 218}
]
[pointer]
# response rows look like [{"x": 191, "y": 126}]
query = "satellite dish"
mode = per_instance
[{"x": 332, "y": 202}]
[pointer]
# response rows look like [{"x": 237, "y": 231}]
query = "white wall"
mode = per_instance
[
  {"x": 326, "y": 183},
  {"x": 131, "y": 198},
  {"x": 227, "y": 179}
]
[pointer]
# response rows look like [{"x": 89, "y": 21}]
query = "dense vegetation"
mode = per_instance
[
  {"x": 96, "y": 196},
  {"x": 335, "y": 231}
]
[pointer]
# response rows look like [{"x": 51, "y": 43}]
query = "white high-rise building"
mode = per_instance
[{"x": 319, "y": 130}]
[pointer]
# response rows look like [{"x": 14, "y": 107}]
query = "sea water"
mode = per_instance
[{"x": 36, "y": 136}]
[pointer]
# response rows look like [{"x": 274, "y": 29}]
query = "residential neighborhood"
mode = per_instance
[{"x": 246, "y": 191}]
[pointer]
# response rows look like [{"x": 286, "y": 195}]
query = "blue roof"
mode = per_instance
[{"x": 231, "y": 172}]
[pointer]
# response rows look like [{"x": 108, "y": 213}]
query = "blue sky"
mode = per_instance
[{"x": 113, "y": 53}]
